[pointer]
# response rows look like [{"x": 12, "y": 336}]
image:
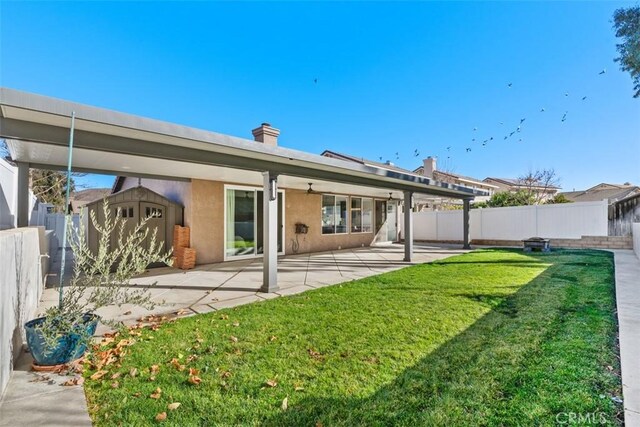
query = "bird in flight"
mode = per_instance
[
  {"x": 522, "y": 120},
  {"x": 448, "y": 148},
  {"x": 501, "y": 123},
  {"x": 475, "y": 129},
  {"x": 564, "y": 116},
  {"x": 566, "y": 94},
  {"x": 603, "y": 71},
  {"x": 584, "y": 98},
  {"x": 520, "y": 140},
  {"x": 380, "y": 158},
  {"x": 397, "y": 156},
  {"x": 491, "y": 139},
  {"x": 468, "y": 149},
  {"x": 518, "y": 129},
  {"x": 511, "y": 134},
  {"x": 416, "y": 153},
  {"x": 542, "y": 110},
  {"x": 315, "y": 80},
  {"x": 509, "y": 85},
  {"x": 505, "y": 137}
]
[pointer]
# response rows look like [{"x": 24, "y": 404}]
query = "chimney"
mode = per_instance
[
  {"x": 429, "y": 166},
  {"x": 266, "y": 134}
]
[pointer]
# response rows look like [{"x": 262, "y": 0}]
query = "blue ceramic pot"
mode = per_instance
[{"x": 68, "y": 348}]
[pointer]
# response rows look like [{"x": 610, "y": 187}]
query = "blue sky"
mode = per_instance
[{"x": 391, "y": 77}]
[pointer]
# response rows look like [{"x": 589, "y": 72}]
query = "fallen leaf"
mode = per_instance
[
  {"x": 126, "y": 313},
  {"x": 234, "y": 339},
  {"x": 161, "y": 416},
  {"x": 98, "y": 375},
  {"x": 200, "y": 340},
  {"x": 191, "y": 358},
  {"x": 115, "y": 384},
  {"x": 74, "y": 381},
  {"x": 298, "y": 388},
  {"x": 115, "y": 376},
  {"x": 156, "y": 394},
  {"x": 173, "y": 406},
  {"x": 194, "y": 371},
  {"x": 152, "y": 378},
  {"x": 193, "y": 379},
  {"x": 138, "y": 394},
  {"x": 272, "y": 382},
  {"x": 285, "y": 403},
  {"x": 176, "y": 364},
  {"x": 133, "y": 372},
  {"x": 225, "y": 374},
  {"x": 273, "y": 338},
  {"x": 155, "y": 369},
  {"x": 236, "y": 323},
  {"x": 224, "y": 316}
]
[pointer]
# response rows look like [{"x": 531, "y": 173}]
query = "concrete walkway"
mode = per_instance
[
  {"x": 628, "y": 301},
  {"x": 39, "y": 400}
]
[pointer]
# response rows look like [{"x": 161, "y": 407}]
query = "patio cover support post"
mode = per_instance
[
  {"x": 408, "y": 226},
  {"x": 466, "y": 205},
  {"x": 22, "y": 211},
  {"x": 270, "y": 232}
]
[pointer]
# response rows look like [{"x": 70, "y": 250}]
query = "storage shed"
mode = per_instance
[{"x": 134, "y": 204}]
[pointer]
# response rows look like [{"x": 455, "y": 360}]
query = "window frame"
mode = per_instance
[
  {"x": 361, "y": 210},
  {"x": 335, "y": 225}
]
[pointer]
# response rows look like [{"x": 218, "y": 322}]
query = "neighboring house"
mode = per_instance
[
  {"x": 603, "y": 191},
  {"x": 429, "y": 170},
  {"x": 542, "y": 192},
  {"x": 80, "y": 198}
]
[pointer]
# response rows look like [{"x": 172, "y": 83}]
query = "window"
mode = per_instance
[
  {"x": 361, "y": 215},
  {"x": 150, "y": 212},
  {"x": 244, "y": 222},
  {"x": 334, "y": 214}
]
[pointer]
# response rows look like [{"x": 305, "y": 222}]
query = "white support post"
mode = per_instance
[
  {"x": 466, "y": 205},
  {"x": 22, "y": 208},
  {"x": 408, "y": 226},
  {"x": 270, "y": 232}
]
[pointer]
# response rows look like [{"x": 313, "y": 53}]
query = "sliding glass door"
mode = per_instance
[{"x": 244, "y": 222}]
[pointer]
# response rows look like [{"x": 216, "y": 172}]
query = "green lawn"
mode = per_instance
[{"x": 493, "y": 337}]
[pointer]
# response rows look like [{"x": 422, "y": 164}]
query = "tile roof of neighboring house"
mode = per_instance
[
  {"x": 420, "y": 170},
  {"x": 516, "y": 182},
  {"x": 363, "y": 161},
  {"x": 610, "y": 192},
  {"x": 83, "y": 197}
]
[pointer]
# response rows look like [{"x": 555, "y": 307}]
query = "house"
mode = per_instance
[
  {"x": 543, "y": 192},
  {"x": 429, "y": 170},
  {"x": 242, "y": 198},
  {"x": 81, "y": 198},
  {"x": 603, "y": 191}
]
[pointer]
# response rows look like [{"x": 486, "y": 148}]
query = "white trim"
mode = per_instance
[{"x": 255, "y": 223}]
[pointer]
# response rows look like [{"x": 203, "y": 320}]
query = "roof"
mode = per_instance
[
  {"x": 37, "y": 132},
  {"x": 363, "y": 161},
  {"x": 419, "y": 170},
  {"x": 609, "y": 192},
  {"x": 519, "y": 183},
  {"x": 83, "y": 197}
]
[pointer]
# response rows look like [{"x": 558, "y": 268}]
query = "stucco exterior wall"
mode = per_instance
[
  {"x": 306, "y": 208},
  {"x": 207, "y": 220},
  {"x": 204, "y": 202}
]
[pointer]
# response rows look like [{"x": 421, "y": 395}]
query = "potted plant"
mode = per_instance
[{"x": 99, "y": 279}]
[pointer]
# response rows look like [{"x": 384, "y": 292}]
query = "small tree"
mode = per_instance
[
  {"x": 103, "y": 278},
  {"x": 626, "y": 22},
  {"x": 506, "y": 198},
  {"x": 557, "y": 199},
  {"x": 537, "y": 184}
]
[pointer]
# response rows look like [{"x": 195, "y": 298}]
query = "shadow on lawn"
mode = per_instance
[{"x": 477, "y": 377}]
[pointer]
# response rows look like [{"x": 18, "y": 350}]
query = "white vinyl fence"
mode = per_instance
[
  {"x": 55, "y": 222},
  {"x": 562, "y": 221}
]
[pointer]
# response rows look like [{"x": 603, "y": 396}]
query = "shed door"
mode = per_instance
[
  {"x": 128, "y": 211},
  {"x": 157, "y": 215}
]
